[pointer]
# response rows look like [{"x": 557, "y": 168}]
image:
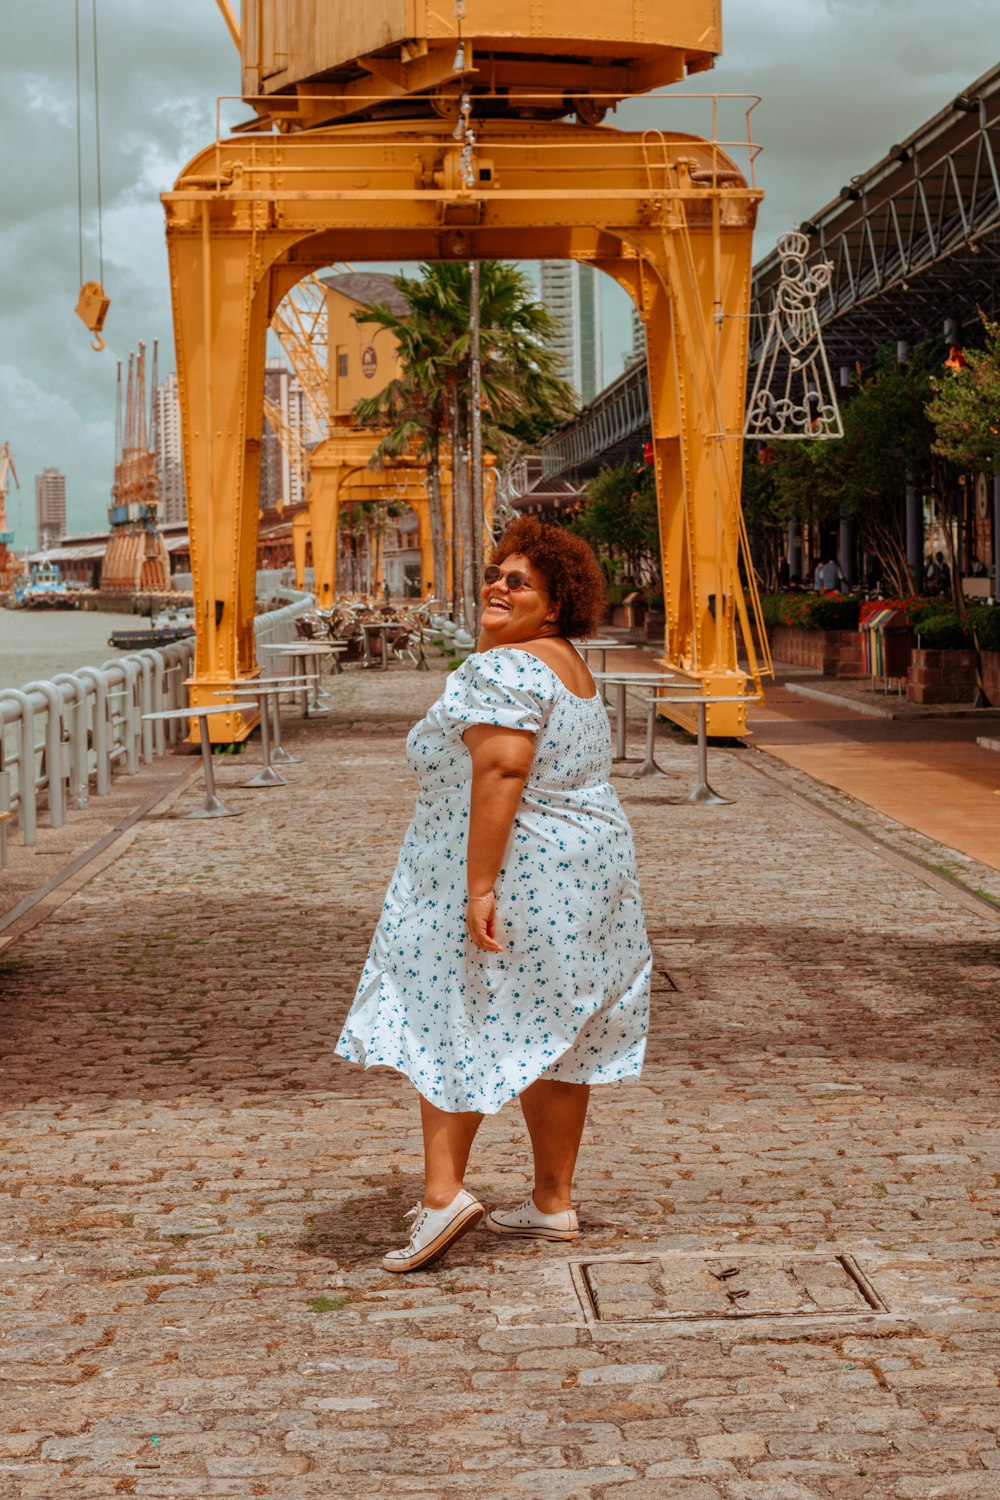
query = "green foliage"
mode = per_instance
[
  {"x": 811, "y": 611},
  {"x": 327, "y": 1304},
  {"x": 985, "y": 620},
  {"x": 943, "y": 631},
  {"x": 940, "y": 627},
  {"x": 523, "y": 394},
  {"x": 965, "y": 408},
  {"x": 619, "y": 519},
  {"x": 887, "y": 442}
]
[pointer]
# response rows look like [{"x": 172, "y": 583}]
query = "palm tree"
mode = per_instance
[{"x": 522, "y": 392}]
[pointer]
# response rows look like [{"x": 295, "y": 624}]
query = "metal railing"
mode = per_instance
[{"x": 63, "y": 739}]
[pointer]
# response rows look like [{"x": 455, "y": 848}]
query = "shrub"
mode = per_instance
[
  {"x": 943, "y": 631},
  {"x": 811, "y": 611},
  {"x": 986, "y": 619}
]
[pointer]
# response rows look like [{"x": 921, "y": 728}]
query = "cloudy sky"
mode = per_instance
[{"x": 841, "y": 80}]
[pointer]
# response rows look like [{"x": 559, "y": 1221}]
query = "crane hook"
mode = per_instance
[{"x": 92, "y": 309}]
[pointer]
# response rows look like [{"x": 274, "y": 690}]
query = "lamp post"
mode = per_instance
[{"x": 476, "y": 431}]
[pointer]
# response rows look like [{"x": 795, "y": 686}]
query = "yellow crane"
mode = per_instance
[
  {"x": 430, "y": 133},
  {"x": 10, "y": 563}
]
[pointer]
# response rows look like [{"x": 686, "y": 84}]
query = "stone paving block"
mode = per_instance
[{"x": 562, "y": 1484}]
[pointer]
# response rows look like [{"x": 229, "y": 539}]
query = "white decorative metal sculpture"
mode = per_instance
[{"x": 793, "y": 393}]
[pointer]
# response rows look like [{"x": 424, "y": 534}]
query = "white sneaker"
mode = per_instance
[
  {"x": 529, "y": 1222},
  {"x": 435, "y": 1231}
]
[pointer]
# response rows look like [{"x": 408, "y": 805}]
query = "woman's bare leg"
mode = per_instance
[
  {"x": 555, "y": 1114},
  {"x": 448, "y": 1139}
]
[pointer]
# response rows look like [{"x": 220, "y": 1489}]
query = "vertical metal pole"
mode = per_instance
[
  {"x": 996, "y": 536},
  {"x": 848, "y": 550},
  {"x": 914, "y": 531},
  {"x": 795, "y": 551},
  {"x": 702, "y": 711},
  {"x": 621, "y": 728},
  {"x": 476, "y": 430}
]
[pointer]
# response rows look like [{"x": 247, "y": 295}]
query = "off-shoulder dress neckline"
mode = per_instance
[{"x": 595, "y": 697}]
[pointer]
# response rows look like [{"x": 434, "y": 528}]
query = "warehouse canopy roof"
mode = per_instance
[{"x": 914, "y": 241}]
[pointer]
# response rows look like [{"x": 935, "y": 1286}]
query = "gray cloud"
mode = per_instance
[{"x": 840, "y": 79}]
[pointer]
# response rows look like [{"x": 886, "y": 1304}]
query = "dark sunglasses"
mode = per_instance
[{"x": 513, "y": 580}]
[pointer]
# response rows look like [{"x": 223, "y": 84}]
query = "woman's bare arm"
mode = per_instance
[{"x": 501, "y": 760}]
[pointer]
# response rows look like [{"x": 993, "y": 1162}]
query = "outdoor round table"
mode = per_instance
[
  {"x": 598, "y": 643},
  {"x": 279, "y": 754},
  {"x": 602, "y": 647},
  {"x": 383, "y": 627},
  {"x": 621, "y": 682},
  {"x": 256, "y": 692},
  {"x": 703, "y": 793},
  {"x": 304, "y": 652},
  {"x": 212, "y": 807}
]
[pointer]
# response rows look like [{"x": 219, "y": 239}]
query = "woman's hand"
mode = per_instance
[{"x": 480, "y": 919}]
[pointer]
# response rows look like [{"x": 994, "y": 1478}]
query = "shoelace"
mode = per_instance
[{"x": 416, "y": 1212}]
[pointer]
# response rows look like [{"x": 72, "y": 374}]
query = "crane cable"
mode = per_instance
[{"x": 93, "y": 304}]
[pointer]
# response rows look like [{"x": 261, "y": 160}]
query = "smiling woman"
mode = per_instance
[{"x": 511, "y": 958}]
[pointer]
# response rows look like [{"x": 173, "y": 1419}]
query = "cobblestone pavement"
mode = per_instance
[{"x": 195, "y": 1192}]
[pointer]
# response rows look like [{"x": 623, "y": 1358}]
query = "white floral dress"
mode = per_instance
[{"x": 569, "y": 996}]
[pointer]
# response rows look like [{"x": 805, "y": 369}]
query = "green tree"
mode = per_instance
[
  {"x": 964, "y": 409},
  {"x": 428, "y": 405},
  {"x": 887, "y": 444},
  {"x": 619, "y": 518}
]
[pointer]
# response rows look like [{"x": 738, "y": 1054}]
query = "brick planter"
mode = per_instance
[
  {"x": 836, "y": 653},
  {"x": 942, "y": 677},
  {"x": 991, "y": 676}
]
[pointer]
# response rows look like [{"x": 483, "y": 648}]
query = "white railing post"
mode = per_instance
[
  {"x": 101, "y": 727},
  {"x": 27, "y": 820},
  {"x": 54, "y": 776},
  {"x": 75, "y": 715},
  {"x": 144, "y": 696},
  {"x": 126, "y": 670}
]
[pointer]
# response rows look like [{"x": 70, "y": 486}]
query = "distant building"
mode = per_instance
[
  {"x": 280, "y": 476},
  {"x": 169, "y": 453},
  {"x": 638, "y": 350},
  {"x": 50, "y": 507},
  {"x": 572, "y": 293}
]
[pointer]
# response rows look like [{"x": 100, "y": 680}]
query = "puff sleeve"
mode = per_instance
[{"x": 511, "y": 689}]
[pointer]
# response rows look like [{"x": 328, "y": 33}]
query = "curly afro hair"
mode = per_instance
[{"x": 572, "y": 572}]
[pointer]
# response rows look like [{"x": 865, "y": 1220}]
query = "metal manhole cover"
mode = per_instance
[{"x": 667, "y": 1288}]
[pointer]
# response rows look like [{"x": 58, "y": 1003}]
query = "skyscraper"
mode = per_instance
[
  {"x": 638, "y": 350},
  {"x": 50, "y": 507},
  {"x": 169, "y": 454},
  {"x": 280, "y": 476},
  {"x": 572, "y": 293}
]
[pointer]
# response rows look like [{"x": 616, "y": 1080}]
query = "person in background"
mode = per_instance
[
  {"x": 831, "y": 577},
  {"x": 818, "y": 577},
  {"x": 937, "y": 578}
]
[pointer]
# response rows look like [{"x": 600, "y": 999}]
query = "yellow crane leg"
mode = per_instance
[
  {"x": 423, "y": 510},
  {"x": 300, "y": 537},
  {"x": 221, "y": 313},
  {"x": 324, "y": 519}
]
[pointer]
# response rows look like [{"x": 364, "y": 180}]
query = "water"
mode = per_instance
[{"x": 36, "y": 643}]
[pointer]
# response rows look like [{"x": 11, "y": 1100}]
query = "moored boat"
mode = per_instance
[{"x": 43, "y": 588}]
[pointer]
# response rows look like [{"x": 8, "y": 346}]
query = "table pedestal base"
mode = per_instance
[
  {"x": 213, "y": 808},
  {"x": 704, "y": 795},
  {"x": 266, "y": 777}
]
